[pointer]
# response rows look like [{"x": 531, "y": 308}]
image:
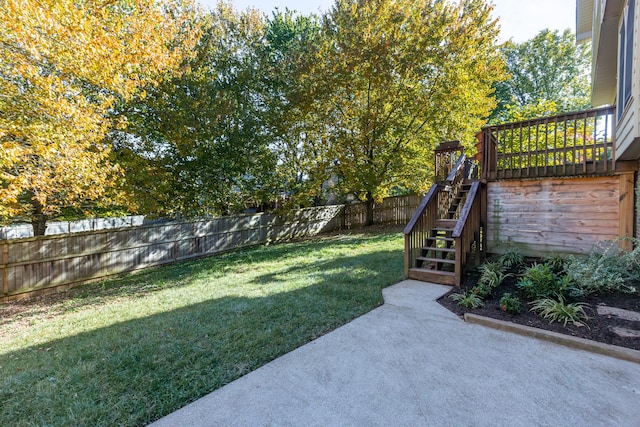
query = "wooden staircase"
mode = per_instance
[{"x": 445, "y": 233}]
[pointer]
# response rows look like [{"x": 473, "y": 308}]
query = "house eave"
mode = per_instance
[
  {"x": 604, "y": 27},
  {"x": 584, "y": 20}
]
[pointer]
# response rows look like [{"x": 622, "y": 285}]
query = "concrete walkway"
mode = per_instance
[{"x": 413, "y": 363}]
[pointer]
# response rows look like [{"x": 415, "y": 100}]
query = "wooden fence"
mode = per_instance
[
  {"x": 393, "y": 210},
  {"x": 37, "y": 265},
  {"x": 558, "y": 215}
]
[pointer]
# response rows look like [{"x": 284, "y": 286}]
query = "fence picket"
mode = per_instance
[{"x": 33, "y": 265}]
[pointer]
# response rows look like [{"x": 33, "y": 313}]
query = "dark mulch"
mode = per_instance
[{"x": 599, "y": 326}]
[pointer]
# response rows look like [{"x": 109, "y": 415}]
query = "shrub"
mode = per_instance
[
  {"x": 483, "y": 290},
  {"x": 538, "y": 281},
  {"x": 510, "y": 304},
  {"x": 607, "y": 269},
  {"x": 511, "y": 259},
  {"x": 557, "y": 310},
  {"x": 556, "y": 263},
  {"x": 468, "y": 300}
]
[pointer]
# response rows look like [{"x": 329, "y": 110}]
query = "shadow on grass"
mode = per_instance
[
  {"x": 134, "y": 372},
  {"x": 136, "y": 285}
]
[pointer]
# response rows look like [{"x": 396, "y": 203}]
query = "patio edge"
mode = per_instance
[{"x": 622, "y": 353}]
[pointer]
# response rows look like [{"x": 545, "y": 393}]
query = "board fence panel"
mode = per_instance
[
  {"x": 552, "y": 215},
  {"x": 39, "y": 264}
]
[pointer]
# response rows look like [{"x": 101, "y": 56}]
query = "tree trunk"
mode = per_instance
[
  {"x": 38, "y": 218},
  {"x": 369, "y": 204}
]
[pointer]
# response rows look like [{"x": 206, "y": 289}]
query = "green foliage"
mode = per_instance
[
  {"x": 468, "y": 299},
  {"x": 197, "y": 143},
  {"x": 538, "y": 281},
  {"x": 493, "y": 266},
  {"x": 557, "y": 263},
  {"x": 549, "y": 74},
  {"x": 64, "y": 64},
  {"x": 510, "y": 304},
  {"x": 483, "y": 290},
  {"x": 388, "y": 80},
  {"x": 606, "y": 269},
  {"x": 492, "y": 274},
  {"x": 512, "y": 259},
  {"x": 558, "y": 310}
]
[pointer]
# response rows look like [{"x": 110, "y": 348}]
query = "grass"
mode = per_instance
[{"x": 131, "y": 350}]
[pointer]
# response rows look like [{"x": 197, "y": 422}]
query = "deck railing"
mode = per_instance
[{"x": 581, "y": 143}]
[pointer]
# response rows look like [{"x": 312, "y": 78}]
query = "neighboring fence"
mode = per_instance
[
  {"x": 393, "y": 210},
  {"x": 34, "y": 265},
  {"x": 66, "y": 227}
]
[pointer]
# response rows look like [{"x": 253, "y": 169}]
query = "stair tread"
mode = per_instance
[
  {"x": 445, "y": 222},
  {"x": 433, "y": 248},
  {"x": 445, "y": 239},
  {"x": 442, "y": 260},
  {"x": 440, "y": 272}
]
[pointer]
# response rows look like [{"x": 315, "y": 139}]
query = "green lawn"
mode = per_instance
[{"x": 130, "y": 350}]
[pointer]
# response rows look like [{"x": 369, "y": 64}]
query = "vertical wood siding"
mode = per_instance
[{"x": 554, "y": 215}]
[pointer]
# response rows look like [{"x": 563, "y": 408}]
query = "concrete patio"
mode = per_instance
[{"x": 412, "y": 362}]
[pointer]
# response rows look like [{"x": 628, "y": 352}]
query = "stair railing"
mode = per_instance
[
  {"x": 467, "y": 233},
  {"x": 419, "y": 227},
  {"x": 452, "y": 187}
]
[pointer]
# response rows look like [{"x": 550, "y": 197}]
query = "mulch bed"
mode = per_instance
[{"x": 599, "y": 327}]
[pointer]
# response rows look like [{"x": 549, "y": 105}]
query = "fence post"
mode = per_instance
[{"x": 4, "y": 261}]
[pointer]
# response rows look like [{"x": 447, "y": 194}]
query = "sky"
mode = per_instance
[{"x": 520, "y": 19}]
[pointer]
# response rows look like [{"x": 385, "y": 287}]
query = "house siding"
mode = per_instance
[
  {"x": 637, "y": 213},
  {"x": 628, "y": 128}
]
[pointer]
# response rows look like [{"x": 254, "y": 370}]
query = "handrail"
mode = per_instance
[
  {"x": 594, "y": 112},
  {"x": 468, "y": 231},
  {"x": 456, "y": 168},
  {"x": 421, "y": 208},
  {"x": 453, "y": 185},
  {"x": 419, "y": 227},
  {"x": 466, "y": 209}
]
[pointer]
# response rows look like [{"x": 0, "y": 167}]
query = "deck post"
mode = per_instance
[{"x": 626, "y": 194}]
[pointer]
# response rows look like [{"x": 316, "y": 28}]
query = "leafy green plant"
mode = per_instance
[
  {"x": 491, "y": 266},
  {"x": 558, "y": 310},
  {"x": 511, "y": 259},
  {"x": 606, "y": 269},
  {"x": 556, "y": 262},
  {"x": 492, "y": 274},
  {"x": 468, "y": 299},
  {"x": 510, "y": 304},
  {"x": 483, "y": 290},
  {"x": 538, "y": 281}
]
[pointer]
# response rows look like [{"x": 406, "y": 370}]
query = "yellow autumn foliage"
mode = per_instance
[{"x": 63, "y": 66}]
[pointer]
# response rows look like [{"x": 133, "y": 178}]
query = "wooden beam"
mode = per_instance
[{"x": 626, "y": 194}]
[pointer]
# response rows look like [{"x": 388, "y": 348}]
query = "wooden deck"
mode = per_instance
[{"x": 575, "y": 144}]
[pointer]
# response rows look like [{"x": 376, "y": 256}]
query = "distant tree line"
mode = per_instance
[{"x": 157, "y": 107}]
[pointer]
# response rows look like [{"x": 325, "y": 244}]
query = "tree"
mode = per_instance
[
  {"x": 389, "y": 80},
  {"x": 290, "y": 40},
  {"x": 197, "y": 144},
  {"x": 63, "y": 65},
  {"x": 548, "y": 70}
]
